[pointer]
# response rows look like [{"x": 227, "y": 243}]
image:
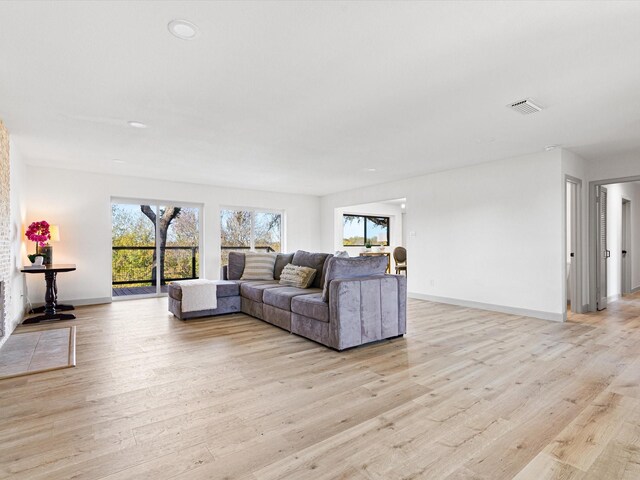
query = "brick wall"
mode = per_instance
[{"x": 5, "y": 229}]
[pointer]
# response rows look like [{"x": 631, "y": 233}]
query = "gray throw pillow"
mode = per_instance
[
  {"x": 282, "y": 260},
  {"x": 235, "y": 266},
  {"x": 311, "y": 260},
  {"x": 338, "y": 267}
]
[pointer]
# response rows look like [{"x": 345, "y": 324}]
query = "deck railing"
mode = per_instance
[
  {"x": 184, "y": 268},
  {"x": 266, "y": 248}
]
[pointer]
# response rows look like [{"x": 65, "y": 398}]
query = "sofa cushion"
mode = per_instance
[
  {"x": 254, "y": 290},
  {"x": 224, "y": 288},
  {"x": 235, "y": 266},
  {"x": 312, "y": 260},
  {"x": 282, "y": 260},
  {"x": 281, "y": 297},
  {"x": 311, "y": 306},
  {"x": 338, "y": 267},
  {"x": 258, "y": 266},
  {"x": 295, "y": 276}
]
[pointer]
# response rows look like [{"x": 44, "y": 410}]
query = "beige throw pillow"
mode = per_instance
[
  {"x": 295, "y": 276},
  {"x": 258, "y": 266}
]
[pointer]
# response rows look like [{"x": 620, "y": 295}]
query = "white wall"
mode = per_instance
[
  {"x": 487, "y": 235},
  {"x": 80, "y": 203},
  {"x": 615, "y": 194},
  {"x": 393, "y": 211},
  {"x": 614, "y": 167}
]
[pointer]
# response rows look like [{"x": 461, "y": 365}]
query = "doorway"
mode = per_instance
[
  {"x": 573, "y": 264},
  {"x": 373, "y": 229},
  {"x": 614, "y": 230},
  {"x": 625, "y": 280},
  {"x": 152, "y": 244}
]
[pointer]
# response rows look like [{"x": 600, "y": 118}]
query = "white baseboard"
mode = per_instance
[
  {"x": 556, "y": 317},
  {"x": 636, "y": 289},
  {"x": 79, "y": 302}
]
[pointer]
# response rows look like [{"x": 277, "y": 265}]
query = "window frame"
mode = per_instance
[
  {"x": 155, "y": 203},
  {"x": 254, "y": 210},
  {"x": 365, "y": 218}
]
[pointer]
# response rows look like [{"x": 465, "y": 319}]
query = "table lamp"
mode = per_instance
[{"x": 47, "y": 250}]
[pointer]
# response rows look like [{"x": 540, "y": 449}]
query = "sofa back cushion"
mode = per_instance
[
  {"x": 312, "y": 260},
  {"x": 235, "y": 266},
  {"x": 282, "y": 260},
  {"x": 341, "y": 267},
  {"x": 258, "y": 266},
  {"x": 300, "y": 277}
]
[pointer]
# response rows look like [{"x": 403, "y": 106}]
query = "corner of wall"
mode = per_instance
[{"x": 12, "y": 217}]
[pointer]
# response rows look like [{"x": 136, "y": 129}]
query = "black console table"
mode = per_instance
[{"x": 51, "y": 308}]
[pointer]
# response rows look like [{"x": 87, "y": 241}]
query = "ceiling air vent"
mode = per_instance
[{"x": 525, "y": 107}]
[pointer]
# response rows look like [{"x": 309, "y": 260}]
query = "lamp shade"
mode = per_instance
[{"x": 54, "y": 230}]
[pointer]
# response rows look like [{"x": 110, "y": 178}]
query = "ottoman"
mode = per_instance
[{"x": 228, "y": 297}]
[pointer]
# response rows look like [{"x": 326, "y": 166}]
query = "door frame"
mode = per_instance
[
  {"x": 156, "y": 204},
  {"x": 625, "y": 267},
  {"x": 576, "y": 297},
  {"x": 593, "y": 233}
]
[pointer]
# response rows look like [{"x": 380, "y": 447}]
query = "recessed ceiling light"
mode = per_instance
[
  {"x": 548, "y": 148},
  {"x": 369, "y": 169},
  {"x": 402, "y": 205},
  {"x": 183, "y": 29},
  {"x": 117, "y": 160},
  {"x": 136, "y": 124}
]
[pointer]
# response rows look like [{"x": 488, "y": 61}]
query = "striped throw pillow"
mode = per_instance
[
  {"x": 295, "y": 276},
  {"x": 258, "y": 266}
]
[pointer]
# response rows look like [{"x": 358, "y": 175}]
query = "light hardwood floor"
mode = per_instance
[{"x": 468, "y": 394}]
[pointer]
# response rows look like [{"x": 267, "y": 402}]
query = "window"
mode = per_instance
[
  {"x": 360, "y": 230},
  {"x": 245, "y": 229}
]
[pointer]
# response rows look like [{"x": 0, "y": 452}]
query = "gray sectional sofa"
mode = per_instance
[{"x": 351, "y": 301}]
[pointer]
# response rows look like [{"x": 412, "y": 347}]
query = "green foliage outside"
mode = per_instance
[{"x": 132, "y": 228}]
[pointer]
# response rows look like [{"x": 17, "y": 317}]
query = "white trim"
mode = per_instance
[
  {"x": 556, "y": 317},
  {"x": 79, "y": 302},
  {"x": 635, "y": 289},
  {"x": 250, "y": 209},
  {"x": 146, "y": 201},
  {"x": 614, "y": 297},
  {"x": 577, "y": 258}
]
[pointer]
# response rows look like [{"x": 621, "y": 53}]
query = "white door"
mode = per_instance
[
  {"x": 626, "y": 255},
  {"x": 603, "y": 253}
]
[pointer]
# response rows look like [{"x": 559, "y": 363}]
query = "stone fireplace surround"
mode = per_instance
[{"x": 5, "y": 233}]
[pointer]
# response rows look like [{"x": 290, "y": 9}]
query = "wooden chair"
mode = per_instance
[{"x": 400, "y": 257}]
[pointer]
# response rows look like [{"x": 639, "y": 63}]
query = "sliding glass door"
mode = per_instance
[{"x": 152, "y": 245}]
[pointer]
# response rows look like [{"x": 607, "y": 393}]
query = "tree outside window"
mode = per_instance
[
  {"x": 244, "y": 230},
  {"x": 360, "y": 230}
]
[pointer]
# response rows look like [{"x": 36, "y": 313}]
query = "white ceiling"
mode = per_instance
[{"x": 305, "y": 96}]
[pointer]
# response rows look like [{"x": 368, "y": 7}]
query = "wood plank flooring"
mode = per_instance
[{"x": 467, "y": 394}]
